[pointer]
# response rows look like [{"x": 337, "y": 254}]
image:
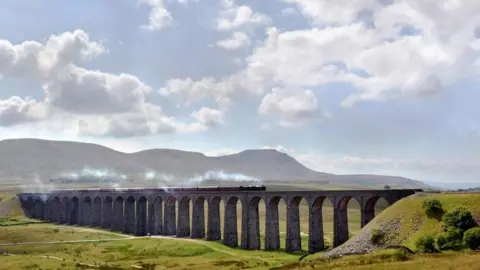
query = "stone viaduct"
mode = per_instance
[{"x": 153, "y": 211}]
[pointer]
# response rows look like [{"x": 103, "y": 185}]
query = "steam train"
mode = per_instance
[{"x": 170, "y": 189}]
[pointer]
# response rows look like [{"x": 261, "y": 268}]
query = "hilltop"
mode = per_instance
[{"x": 22, "y": 160}]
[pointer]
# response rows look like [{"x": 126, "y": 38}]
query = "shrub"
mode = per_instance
[
  {"x": 400, "y": 256},
  {"x": 459, "y": 218},
  {"x": 432, "y": 207},
  {"x": 425, "y": 244},
  {"x": 472, "y": 238},
  {"x": 377, "y": 237}
]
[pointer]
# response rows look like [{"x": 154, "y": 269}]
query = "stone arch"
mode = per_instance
[
  {"x": 129, "y": 215},
  {"x": 38, "y": 209},
  {"x": 73, "y": 209},
  {"x": 214, "y": 230},
  {"x": 55, "y": 209},
  {"x": 341, "y": 225},
  {"x": 230, "y": 231},
  {"x": 107, "y": 212},
  {"x": 293, "y": 240},
  {"x": 272, "y": 224},
  {"x": 118, "y": 220},
  {"x": 198, "y": 218},
  {"x": 369, "y": 209},
  {"x": 155, "y": 218},
  {"x": 169, "y": 215},
  {"x": 86, "y": 211},
  {"x": 183, "y": 218},
  {"x": 141, "y": 217},
  {"x": 97, "y": 212},
  {"x": 64, "y": 214}
]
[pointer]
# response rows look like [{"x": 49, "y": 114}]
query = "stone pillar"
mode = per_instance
[
  {"x": 107, "y": 213},
  {"x": 250, "y": 225},
  {"x": 272, "y": 231},
  {"x": 315, "y": 233},
  {"x": 214, "y": 230},
  {"x": 169, "y": 219},
  {"x": 97, "y": 212},
  {"x": 118, "y": 218},
  {"x": 141, "y": 217},
  {"x": 198, "y": 218},
  {"x": 86, "y": 210},
  {"x": 230, "y": 231},
  {"x": 293, "y": 240},
  {"x": 340, "y": 226},
  {"x": 155, "y": 217},
  {"x": 54, "y": 210},
  {"x": 183, "y": 226},
  {"x": 129, "y": 216},
  {"x": 42, "y": 211},
  {"x": 63, "y": 211},
  {"x": 73, "y": 206}
]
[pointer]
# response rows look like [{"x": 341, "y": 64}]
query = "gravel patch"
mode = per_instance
[{"x": 361, "y": 243}]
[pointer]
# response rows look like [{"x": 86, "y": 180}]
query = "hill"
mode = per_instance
[
  {"x": 405, "y": 221},
  {"x": 32, "y": 161}
]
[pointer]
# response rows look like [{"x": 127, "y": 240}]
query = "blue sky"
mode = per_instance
[{"x": 374, "y": 86}]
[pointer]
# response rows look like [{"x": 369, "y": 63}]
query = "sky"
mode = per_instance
[{"x": 346, "y": 87}]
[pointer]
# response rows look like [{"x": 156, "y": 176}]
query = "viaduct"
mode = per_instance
[{"x": 153, "y": 211}]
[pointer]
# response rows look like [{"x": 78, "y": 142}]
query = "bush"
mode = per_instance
[
  {"x": 377, "y": 237},
  {"x": 432, "y": 207},
  {"x": 472, "y": 238},
  {"x": 426, "y": 244},
  {"x": 400, "y": 256},
  {"x": 459, "y": 218}
]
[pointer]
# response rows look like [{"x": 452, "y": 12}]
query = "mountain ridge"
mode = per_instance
[{"x": 24, "y": 157}]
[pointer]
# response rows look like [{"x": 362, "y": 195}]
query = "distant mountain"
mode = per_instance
[{"x": 24, "y": 159}]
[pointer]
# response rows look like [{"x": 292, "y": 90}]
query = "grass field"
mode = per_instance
[{"x": 171, "y": 253}]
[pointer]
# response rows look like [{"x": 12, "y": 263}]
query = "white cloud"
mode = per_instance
[
  {"x": 233, "y": 16},
  {"x": 326, "y": 12},
  {"x": 83, "y": 91},
  {"x": 293, "y": 106},
  {"x": 16, "y": 110},
  {"x": 159, "y": 17},
  {"x": 32, "y": 59},
  {"x": 235, "y": 42},
  {"x": 208, "y": 117},
  {"x": 92, "y": 102}
]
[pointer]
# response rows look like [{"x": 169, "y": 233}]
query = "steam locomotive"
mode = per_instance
[{"x": 171, "y": 189}]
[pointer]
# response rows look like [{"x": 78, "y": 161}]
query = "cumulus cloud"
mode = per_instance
[
  {"x": 293, "y": 106},
  {"x": 32, "y": 59},
  {"x": 233, "y": 16},
  {"x": 208, "y": 117},
  {"x": 100, "y": 103},
  {"x": 235, "y": 42},
  {"x": 159, "y": 17},
  {"x": 83, "y": 91},
  {"x": 16, "y": 110}
]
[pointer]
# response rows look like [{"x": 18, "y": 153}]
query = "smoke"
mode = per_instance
[
  {"x": 221, "y": 176},
  {"x": 37, "y": 186},
  {"x": 92, "y": 176}
]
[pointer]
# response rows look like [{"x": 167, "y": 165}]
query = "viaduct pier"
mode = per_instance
[{"x": 153, "y": 211}]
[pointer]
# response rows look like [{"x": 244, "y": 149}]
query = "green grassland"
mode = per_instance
[
  {"x": 186, "y": 253},
  {"x": 413, "y": 221}
]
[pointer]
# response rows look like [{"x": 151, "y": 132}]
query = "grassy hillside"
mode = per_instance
[{"x": 405, "y": 221}]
